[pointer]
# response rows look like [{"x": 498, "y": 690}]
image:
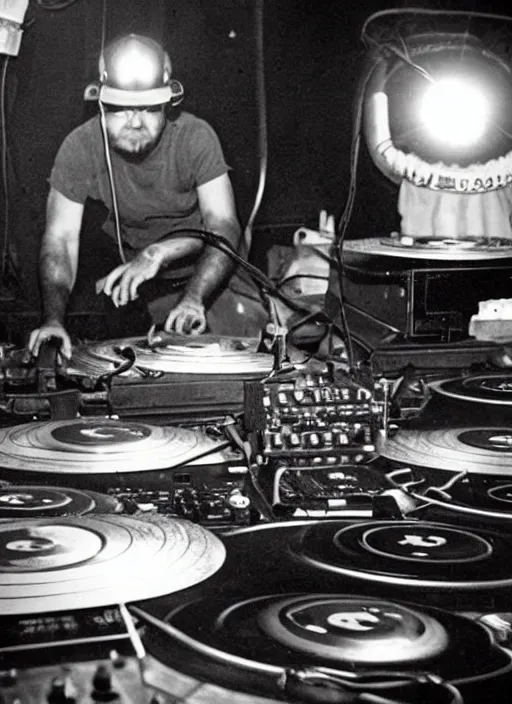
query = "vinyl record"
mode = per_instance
[
  {"x": 486, "y": 389},
  {"x": 449, "y": 250},
  {"x": 413, "y": 553},
  {"x": 260, "y": 644},
  {"x": 85, "y": 445},
  {"x": 54, "y": 564},
  {"x": 477, "y": 450},
  {"x": 27, "y": 501},
  {"x": 204, "y": 354}
]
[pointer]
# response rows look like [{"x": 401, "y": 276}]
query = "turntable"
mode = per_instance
[
  {"x": 298, "y": 606},
  {"x": 170, "y": 377},
  {"x": 478, "y": 450},
  {"x": 420, "y": 554},
  {"x": 65, "y": 563},
  {"x": 90, "y": 452},
  {"x": 466, "y": 249},
  {"x": 67, "y": 635},
  {"x": 483, "y": 399},
  {"x": 247, "y": 614},
  {"x": 321, "y": 647},
  {"x": 450, "y": 567},
  {"x": 182, "y": 379},
  {"x": 174, "y": 354},
  {"x": 412, "y": 303}
]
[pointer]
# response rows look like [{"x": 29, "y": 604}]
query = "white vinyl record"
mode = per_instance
[{"x": 61, "y": 563}]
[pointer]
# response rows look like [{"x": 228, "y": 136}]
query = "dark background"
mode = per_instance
[{"x": 312, "y": 55}]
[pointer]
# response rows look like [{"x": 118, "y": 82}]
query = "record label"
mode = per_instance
[
  {"x": 28, "y": 501},
  {"x": 487, "y": 440},
  {"x": 99, "y": 434},
  {"x": 424, "y": 544},
  {"x": 414, "y": 553},
  {"x": 39, "y": 499},
  {"x": 355, "y": 629},
  {"x": 46, "y": 547},
  {"x": 498, "y": 386}
]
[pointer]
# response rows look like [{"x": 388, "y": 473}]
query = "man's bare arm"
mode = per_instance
[
  {"x": 122, "y": 283},
  {"x": 217, "y": 203},
  {"x": 58, "y": 262}
]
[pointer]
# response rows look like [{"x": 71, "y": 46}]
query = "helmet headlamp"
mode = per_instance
[{"x": 135, "y": 70}]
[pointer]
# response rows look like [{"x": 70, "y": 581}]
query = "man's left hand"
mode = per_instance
[
  {"x": 123, "y": 281},
  {"x": 187, "y": 318}
]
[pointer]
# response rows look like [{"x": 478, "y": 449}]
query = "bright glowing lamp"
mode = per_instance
[
  {"x": 437, "y": 122},
  {"x": 454, "y": 111},
  {"x": 135, "y": 70},
  {"x": 136, "y": 67}
]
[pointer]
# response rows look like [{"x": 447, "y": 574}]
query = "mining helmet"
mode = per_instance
[{"x": 135, "y": 70}]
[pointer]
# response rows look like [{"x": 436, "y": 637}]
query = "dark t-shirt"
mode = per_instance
[{"x": 154, "y": 197}]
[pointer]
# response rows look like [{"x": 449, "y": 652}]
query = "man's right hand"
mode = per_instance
[{"x": 46, "y": 332}]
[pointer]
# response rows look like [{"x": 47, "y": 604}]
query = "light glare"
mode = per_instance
[
  {"x": 136, "y": 67},
  {"x": 454, "y": 112}
]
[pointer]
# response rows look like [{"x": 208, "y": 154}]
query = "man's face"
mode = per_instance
[{"x": 134, "y": 131}]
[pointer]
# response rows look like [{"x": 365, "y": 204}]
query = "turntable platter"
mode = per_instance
[
  {"x": 54, "y": 564},
  {"x": 449, "y": 250},
  {"x": 258, "y": 644},
  {"x": 493, "y": 389},
  {"x": 204, "y": 354},
  {"x": 27, "y": 501},
  {"x": 422, "y": 554},
  {"x": 83, "y": 446},
  {"x": 477, "y": 450}
]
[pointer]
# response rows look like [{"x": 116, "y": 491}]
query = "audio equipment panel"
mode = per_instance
[
  {"x": 214, "y": 497},
  {"x": 309, "y": 432},
  {"x": 139, "y": 467},
  {"x": 313, "y": 420},
  {"x": 326, "y": 491}
]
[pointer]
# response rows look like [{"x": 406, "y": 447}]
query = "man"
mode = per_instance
[{"x": 155, "y": 175}]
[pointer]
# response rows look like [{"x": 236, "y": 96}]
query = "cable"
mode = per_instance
[
  {"x": 55, "y": 4},
  {"x": 103, "y": 25},
  {"x": 422, "y": 11},
  {"x": 287, "y": 279},
  {"x": 267, "y": 284},
  {"x": 110, "y": 171},
  {"x": 346, "y": 216},
  {"x": 262, "y": 120},
  {"x": 5, "y": 175},
  {"x": 226, "y": 247},
  {"x": 245, "y": 447}
]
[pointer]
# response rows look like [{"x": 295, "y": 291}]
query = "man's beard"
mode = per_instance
[
  {"x": 138, "y": 155},
  {"x": 135, "y": 155}
]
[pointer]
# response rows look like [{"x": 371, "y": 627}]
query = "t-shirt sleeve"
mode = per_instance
[
  {"x": 70, "y": 174},
  {"x": 206, "y": 158}
]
